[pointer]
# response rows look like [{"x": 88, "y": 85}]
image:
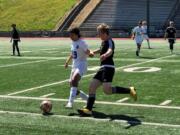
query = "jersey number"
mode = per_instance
[{"x": 74, "y": 53}]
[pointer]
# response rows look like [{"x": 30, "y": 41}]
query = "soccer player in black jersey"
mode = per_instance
[
  {"x": 104, "y": 75},
  {"x": 15, "y": 38},
  {"x": 171, "y": 35}
]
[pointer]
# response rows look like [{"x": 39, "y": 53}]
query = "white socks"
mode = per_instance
[
  {"x": 83, "y": 95},
  {"x": 72, "y": 95}
]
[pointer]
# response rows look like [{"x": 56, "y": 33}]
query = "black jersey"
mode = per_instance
[
  {"x": 15, "y": 34},
  {"x": 171, "y": 31},
  {"x": 104, "y": 48}
]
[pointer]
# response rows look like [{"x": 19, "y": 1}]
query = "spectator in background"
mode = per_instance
[
  {"x": 170, "y": 34},
  {"x": 15, "y": 38}
]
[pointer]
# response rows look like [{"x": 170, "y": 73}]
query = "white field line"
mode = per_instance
[
  {"x": 166, "y": 102},
  {"x": 97, "y": 102},
  {"x": 60, "y": 82},
  {"x": 89, "y": 59},
  {"x": 123, "y": 100},
  {"x": 49, "y": 49},
  {"x": 38, "y": 87},
  {"x": 48, "y": 95},
  {"x": 24, "y": 63},
  {"x": 31, "y": 57},
  {"x": 92, "y": 119}
]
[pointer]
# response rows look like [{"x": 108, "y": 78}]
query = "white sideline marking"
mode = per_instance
[
  {"x": 93, "y": 119},
  {"x": 166, "y": 102},
  {"x": 98, "y": 102},
  {"x": 48, "y": 95},
  {"x": 51, "y": 84},
  {"x": 123, "y": 100}
]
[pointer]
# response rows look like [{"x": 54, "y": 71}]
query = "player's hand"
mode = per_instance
[
  {"x": 91, "y": 54},
  {"x": 102, "y": 57},
  {"x": 66, "y": 65}
]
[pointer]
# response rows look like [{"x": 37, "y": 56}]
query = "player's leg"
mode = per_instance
[
  {"x": 147, "y": 39},
  {"x": 95, "y": 83},
  {"x": 91, "y": 99},
  {"x": 138, "y": 49},
  {"x": 171, "y": 45},
  {"x": 108, "y": 89},
  {"x": 74, "y": 80},
  {"x": 148, "y": 43},
  {"x": 17, "y": 48},
  {"x": 13, "y": 46}
]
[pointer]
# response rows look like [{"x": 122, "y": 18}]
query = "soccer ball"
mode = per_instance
[{"x": 46, "y": 106}]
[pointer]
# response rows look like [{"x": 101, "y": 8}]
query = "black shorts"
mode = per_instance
[
  {"x": 15, "y": 42},
  {"x": 105, "y": 74},
  {"x": 171, "y": 41}
]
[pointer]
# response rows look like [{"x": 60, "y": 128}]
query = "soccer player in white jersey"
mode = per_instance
[
  {"x": 145, "y": 35},
  {"x": 137, "y": 35},
  {"x": 78, "y": 55}
]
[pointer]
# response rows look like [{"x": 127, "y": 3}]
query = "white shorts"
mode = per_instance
[
  {"x": 145, "y": 37},
  {"x": 80, "y": 69},
  {"x": 138, "y": 40}
]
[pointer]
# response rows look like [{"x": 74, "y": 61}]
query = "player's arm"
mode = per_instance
[
  {"x": 89, "y": 53},
  {"x": 175, "y": 35},
  {"x": 133, "y": 34},
  {"x": 165, "y": 35},
  {"x": 107, "y": 54},
  {"x": 11, "y": 36},
  {"x": 96, "y": 51},
  {"x": 68, "y": 61}
]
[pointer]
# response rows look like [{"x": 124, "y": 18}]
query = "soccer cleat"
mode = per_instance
[
  {"x": 133, "y": 93},
  {"x": 84, "y": 112},
  {"x": 69, "y": 105}
]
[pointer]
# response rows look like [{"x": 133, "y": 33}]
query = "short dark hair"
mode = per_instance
[
  {"x": 75, "y": 31},
  {"x": 103, "y": 28},
  {"x": 140, "y": 22},
  {"x": 13, "y": 25}
]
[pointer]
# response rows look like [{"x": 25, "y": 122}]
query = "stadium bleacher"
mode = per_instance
[{"x": 123, "y": 15}]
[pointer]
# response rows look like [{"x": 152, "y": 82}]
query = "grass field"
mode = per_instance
[
  {"x": 39, "y": 72},
  {"x": 33, "y": 14}
]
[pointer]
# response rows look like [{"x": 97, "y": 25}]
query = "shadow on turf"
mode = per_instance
[{"x": 132, "y": 121}]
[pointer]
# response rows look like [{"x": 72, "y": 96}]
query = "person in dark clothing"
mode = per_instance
[
  {"x": 15, "y": 38},
  {"x": 105, "y": 74},
  {"x": 170, "y": 34}
]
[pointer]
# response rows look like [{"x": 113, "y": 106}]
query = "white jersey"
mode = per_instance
[
  {"x": 145, "y": 35},
  {"x": 78, "y": 49},
  {"x": 138, "y": 34},
  {"x": 144, "y": 29}
]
